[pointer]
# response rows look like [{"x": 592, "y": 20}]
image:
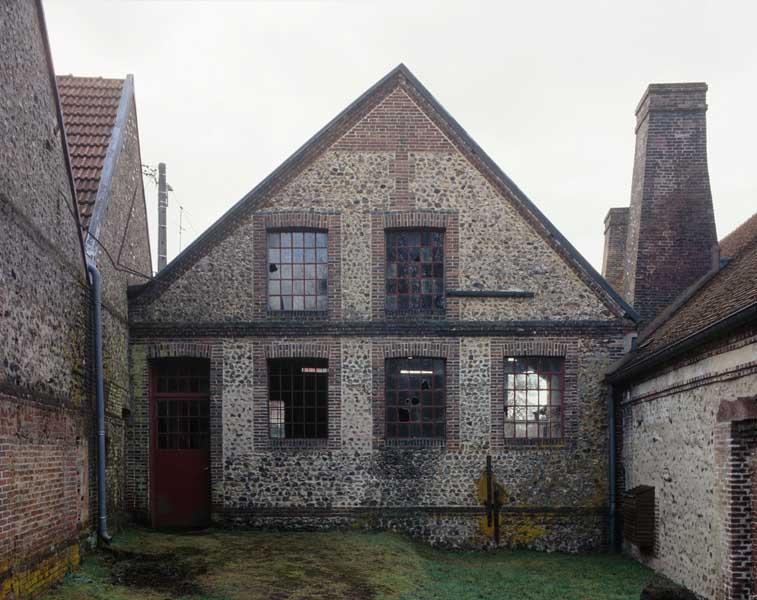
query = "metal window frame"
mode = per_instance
[{"x": 505, "y": 405}]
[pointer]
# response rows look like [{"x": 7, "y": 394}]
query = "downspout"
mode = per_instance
[
  {"x": 96, "y": 282},
  {"x": 612, "y": 473}
]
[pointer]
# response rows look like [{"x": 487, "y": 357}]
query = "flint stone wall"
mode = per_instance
[{"x": 669, "y": 442}]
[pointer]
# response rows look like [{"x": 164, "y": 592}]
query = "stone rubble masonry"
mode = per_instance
[
  {"x": 672, "y": 440},
  {"x": 671, "y": 225},
  {"x": 394, "y": 167},
  {"x": 614, "y": 258},
  {"x": 44, "y": 312}
]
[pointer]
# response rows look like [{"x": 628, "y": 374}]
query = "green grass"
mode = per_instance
[{"x": 232, "y": 565}]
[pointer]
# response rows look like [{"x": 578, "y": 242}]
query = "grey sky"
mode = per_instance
[{"x": 227, "y": 90}]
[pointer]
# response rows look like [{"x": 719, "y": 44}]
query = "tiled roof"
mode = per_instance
[
  {"x": 90, "y": 106},
  {"x": 731, "y": 244},
  {"x": 730, "y": 290}
]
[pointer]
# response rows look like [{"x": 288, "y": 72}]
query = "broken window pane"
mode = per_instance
[
  {"x": 297, "y": 271},
  {"x": 533, "y": 388},
  {"x": 415, "y": 398},
  {"x": 415, "y": 271}
]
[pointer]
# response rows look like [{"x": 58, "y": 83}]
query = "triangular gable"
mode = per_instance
[{"x": 339, "y": 129}]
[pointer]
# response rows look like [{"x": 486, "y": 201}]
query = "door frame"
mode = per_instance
[{"x": 154, "y": 366}]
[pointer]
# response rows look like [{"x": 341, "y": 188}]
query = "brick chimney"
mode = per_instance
[
  {"x": 671, "y": 226},
  {"x": 616, "y": 232}
]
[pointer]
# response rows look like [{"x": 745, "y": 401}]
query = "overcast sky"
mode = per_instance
[{"x": 227, "y": 90}]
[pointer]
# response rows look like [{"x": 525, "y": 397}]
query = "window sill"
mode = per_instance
[
  {"x": 407, "y": 315},
  {"x": 299, "y": 444},
  {"x": 532, "y": 443},
  {"x": 416, "y": 443},
  {"x": 298, "y": 315}
]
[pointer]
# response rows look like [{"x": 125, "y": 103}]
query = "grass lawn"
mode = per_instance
[{"x": 231, "y": 565}]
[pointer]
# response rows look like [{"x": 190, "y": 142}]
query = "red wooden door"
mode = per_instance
[{"x": 180, "y": 444}]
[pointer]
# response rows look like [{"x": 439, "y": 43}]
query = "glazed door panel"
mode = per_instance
[{"x": 181, "y": 446}]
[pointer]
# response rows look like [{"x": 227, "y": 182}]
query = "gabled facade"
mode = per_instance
[{"x": 354, "y": 337}]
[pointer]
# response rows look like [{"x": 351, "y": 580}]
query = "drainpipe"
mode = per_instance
[
  {"x": 612, "y": 543},
  {"x": 96, "y": 281}
]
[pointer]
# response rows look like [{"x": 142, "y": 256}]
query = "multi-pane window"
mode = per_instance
[
  {"x": 298, "y": 271},
  {"x": 182, "y": 378},
  {"x": 298, "y": 398},
  {"x": 533, "y": 397},
  {"x": 183, "y": 424},
  {"x": 415, "y": 271},
  {"x": 415, "y": 398},
  {"x": 182, "y": 412}
]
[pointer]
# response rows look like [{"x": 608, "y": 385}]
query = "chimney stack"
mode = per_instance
[
  {"x": 162, "y": 205},
  {"x": 671, "y": 239},
  {"x": 616, "y": 232}
]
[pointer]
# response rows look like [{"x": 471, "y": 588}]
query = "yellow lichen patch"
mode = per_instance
[
  {"x": 518, "y": 531},
  {"x": 486, "y": 528},
  {"x": 28, "y": 583}
]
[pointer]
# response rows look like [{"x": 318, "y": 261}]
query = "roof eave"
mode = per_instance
[{"x": 628, "y": 367}]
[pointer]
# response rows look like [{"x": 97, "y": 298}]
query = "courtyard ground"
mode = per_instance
[{"x": 231, "y": 565}]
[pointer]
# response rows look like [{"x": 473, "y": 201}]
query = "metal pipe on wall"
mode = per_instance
[{"x": 96, "y": 282}]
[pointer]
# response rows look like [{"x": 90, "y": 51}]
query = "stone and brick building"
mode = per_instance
[
  {"x": 349, "y": 343},
  {"x": 686, "y": 396},
  {"x": 357, "y": 333},
  {"x": 70, "y": 174}
]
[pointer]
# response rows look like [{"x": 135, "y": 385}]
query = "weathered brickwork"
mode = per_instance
[
  {"x": 671, "y": 225},
  {"x": 44, "y": 311},
  {"x": 394, "y": 167},
  {"x": 614, "y": 257},
  {"x": 673, "y": 442}
]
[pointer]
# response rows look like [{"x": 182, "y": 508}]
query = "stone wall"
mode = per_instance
[
  {"x": 669, "y": 442},
  {"x": 496, "y": 248},
  {"x": 44, "y": 312},
  {"x": 394, "y": 166},
  {"x": 555, "y": 492}
]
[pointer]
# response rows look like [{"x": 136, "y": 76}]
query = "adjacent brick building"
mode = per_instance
[
  {"x": 355, "y": 336},
  {"x": 686, "y": 397},
  {"x": 47, "y": 228},
  {"x": 100, "y": 117}
]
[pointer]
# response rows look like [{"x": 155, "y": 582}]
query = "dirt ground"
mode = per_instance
[{"x": 236, "y": 565}]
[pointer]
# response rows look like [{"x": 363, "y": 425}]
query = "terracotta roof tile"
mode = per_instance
[{"x": 90, "y": 106}]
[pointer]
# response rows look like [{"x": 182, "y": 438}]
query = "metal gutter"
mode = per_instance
[
  {"x": 115, "y": 146},
  {"x": 743, "y": 316}
]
